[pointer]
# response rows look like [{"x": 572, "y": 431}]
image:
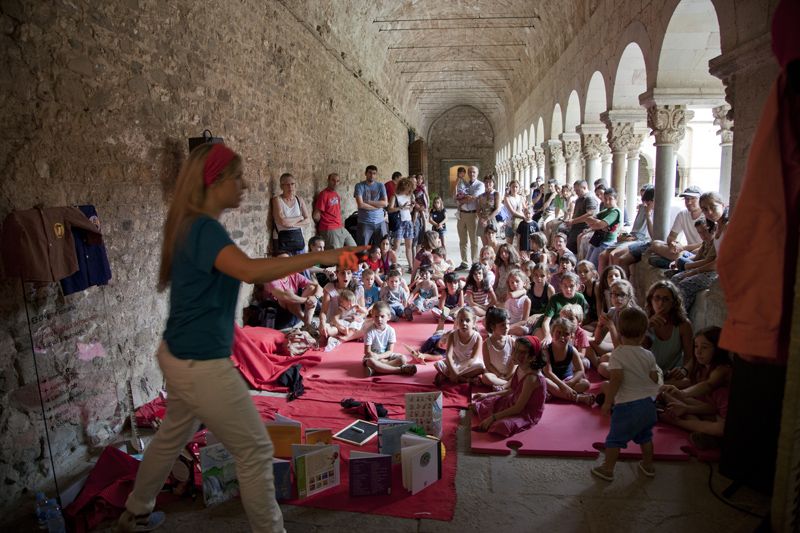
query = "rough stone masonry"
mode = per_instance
[{"x": 97, "y": 103}]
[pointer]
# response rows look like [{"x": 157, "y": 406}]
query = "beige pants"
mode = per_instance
[
  {"x": 468, "y": 236},
  {"x": 214, "y": 392},
  {"x": 337, "y": 238}
]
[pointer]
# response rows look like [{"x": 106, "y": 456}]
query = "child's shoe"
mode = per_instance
[
  {"x": 649, "y": 472},
  {"x": 408, "y": 314},
  {"x": 131, "y": 522},
  {"x": 602, "y": 474},
  {"x": 333, "y": 342},
  {"x": 408, "y": 370}
]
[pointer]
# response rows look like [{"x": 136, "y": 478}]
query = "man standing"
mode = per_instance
[
  {"x": 328, "y": 216},
  {"x": 391, "y": 185},
  {"x": 467, "y": 193},
  {"x": 586, "y": 206},
  {"x": 371, "y": 200}
]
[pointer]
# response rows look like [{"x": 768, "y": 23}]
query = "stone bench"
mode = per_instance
[{"x": 709, "y": 306}]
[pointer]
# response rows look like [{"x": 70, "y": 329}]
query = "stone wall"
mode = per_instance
[
  {"x": 97, "y": 102},
  {"x": 462, "y": 134}
]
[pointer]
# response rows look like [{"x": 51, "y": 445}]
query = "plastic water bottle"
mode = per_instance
[
  {"x": 55, "y": 522},
  {"x": 41, "y": 508}
]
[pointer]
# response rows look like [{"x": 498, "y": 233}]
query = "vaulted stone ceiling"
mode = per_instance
[{"x": 422, "y": 57}]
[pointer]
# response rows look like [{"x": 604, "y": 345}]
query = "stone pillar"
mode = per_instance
[
  {"x": 632, "y": 180},
  {"x": 555, "y": 152},
  {"x": 572, "y": 156},
  {"x": 605, "y": 163},
  {"x": 626, "y": 129},
  {"x": 538, "y": 154},
  {"x": 526, "y": 170},
  {"x": 668, "y": 124},
  {"x": 721, "y": 119},
  {"x": 592, "y": 148}
]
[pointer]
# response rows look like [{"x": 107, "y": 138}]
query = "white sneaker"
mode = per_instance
[
  {"x": 130, "y": 522},
  {"x": 333, "y": 342}
]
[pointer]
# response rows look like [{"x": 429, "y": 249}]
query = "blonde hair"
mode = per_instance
[
  {"x": 520, "y": 275},
  {"x": 573, "y": 312},
  {"x": 405, "y": 184},
  {"x": 187, "y": 203}
]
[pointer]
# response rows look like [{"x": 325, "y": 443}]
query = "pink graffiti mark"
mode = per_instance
[{"x": 87, "y": 352}]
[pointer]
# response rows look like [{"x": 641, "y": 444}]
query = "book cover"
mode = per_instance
[
  {"x": 359, "y": 432},
  {"x": 316, "y": 468},
  {"x": 219, "y": 474},
  {"x": 282, "y": 472},
  {"x": 421, "y": 459},
  {"x": 425, "y": 408},
  {"x": 284, "y": 432},
  {"x": 389, "y": 433},
  {"x": 319, "y": 436},
  {"x": 370, "y": 474}
]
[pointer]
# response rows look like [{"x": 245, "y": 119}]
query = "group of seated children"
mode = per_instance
[{"x": 530, "y": 329}]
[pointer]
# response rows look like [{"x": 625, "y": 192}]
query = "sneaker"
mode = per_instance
[
  {"x": 436, "y": 312},
  {"x": 408, "y": 314},
  {"x": 462, "y": 266},
  {"x": 600, "y": 399},
  {"x": 369, "y": 370},
  {"x": 649, "y": 472},
  {"x": 148, "y": 522},
  {"x": 408, "y": 370},
  {"x": 602, "y": 474}
]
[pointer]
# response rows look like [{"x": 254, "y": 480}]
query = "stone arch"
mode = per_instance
[
  {"x": 557, "y": 122},
  {"x": 631, "y": 78},
  {"x": 692, "y": 38},
  {"x": 525, "y": 140},
  {"x": 532, "y": 135},
  {"x": 573, "y": 115},
  {"x": 595, "y": 102},
  {"x": 514, "y": 146}
]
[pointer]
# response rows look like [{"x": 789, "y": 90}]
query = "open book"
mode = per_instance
[
  {"x": 284, "y": 432},
  {"x": 389, "y": 433},
  {"x": 316, "y": 467},
  {"x": 370, "y": 474},
  {"x": 425, "y": 408}
]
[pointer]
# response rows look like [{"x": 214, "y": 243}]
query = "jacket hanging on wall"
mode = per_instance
[
  {"x": 93, "y": 267},
  {"x": 38, "y": 245}
]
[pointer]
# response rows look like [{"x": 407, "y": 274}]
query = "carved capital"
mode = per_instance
[
  {"x": 555, "y": 152},
  {"x": 593, "y": 145},
  {"x": 538, "y": 154},
  {"x": 668, "y": 123},
  {"x": 624, "y": 137},
  {"x": 572, "y": 150},
  {"x": 724, "y": 119}
]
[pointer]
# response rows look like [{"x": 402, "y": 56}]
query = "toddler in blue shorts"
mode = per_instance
[{"x": 633, "y": 385}]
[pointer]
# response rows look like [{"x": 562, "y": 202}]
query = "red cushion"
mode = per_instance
[{"x": 267, "y": 340}]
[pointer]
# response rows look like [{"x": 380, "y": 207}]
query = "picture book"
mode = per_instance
[
  {"x": 284, "y": 432},
  {"x": 421, "y": 459},
  {"x": 282, "y": 472},
  {"x": 318, "y": 436},
  {"x": 316, "y": 468},
  {"x": 389, "y": 433},
  {"x": 358, "y": 433},
  {"x": 425, "y": 408},
  {"x": 370, "y": 474},
  {"x": 219, "y": 474}
]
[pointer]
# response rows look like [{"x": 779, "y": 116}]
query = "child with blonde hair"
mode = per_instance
[
  {"x": 347, "y": 321},
  {"x": 487, "y": 257},
  {"x": 463, "y": 361},
  {"x": 608, "y": 326},
  {"x": 379, "y": 341},
  {"x": 633, "y": 386},
  {"x": 566, "y": 378},
  {"x": 517, "y": 304}
]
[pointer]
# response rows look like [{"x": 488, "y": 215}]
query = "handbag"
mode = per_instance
[
  {"x": 394, "y": 221},
  {"x": 291, "y": 241}
]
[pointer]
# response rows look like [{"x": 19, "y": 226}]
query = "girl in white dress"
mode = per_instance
[
  {"x": 464, "y": 361},
  {"x": 497, "y": 349}
]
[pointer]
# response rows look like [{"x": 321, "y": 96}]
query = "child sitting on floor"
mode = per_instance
[
  {"x": 507, "y": 260},
  {"x": 348, "y": 320},
  {"x": 580, "y": 339},
  {"x": 487, "y": 256},
  {"x": 433, "y": 349},
  {"x": 372, "y": 293},
  {"x": 379, "y": 341},
  {"x": 566, "y": 263},
  {"x": 478, "y": 294},
  {"x": 463, "y": 361},
  {"x": 608, "y": 326},
  {"x": 395, "y": 295},
  {"x": 440, "y": 266},
  {"x": 569, "y": 295},
  {"x": 425, "y": 295},
  {"x": 588, "y": 279},
  {"x": 565, "y": 375},
  {"x": 497, "y": 349},
  {"x": 451, "y": 299},
  {"x": 701, "y": 406},
  {"x": 634, "y": 383},
  {"x": 521, "y": 405},
  {"x": 517, "y": 304}
]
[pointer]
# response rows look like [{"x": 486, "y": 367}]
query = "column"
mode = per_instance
[
  {"x": 668, "y": 125},
  {"x": 626, "y": 129},
  {"x": 605, "y": 162},
  {"x": 556, "y": 159},
  {"x": 530, "y": 154},
  {"x": 538, "y": 154},
  {"x": 572, "y": 156},
  {"x": 632, "y": 177},
  {"x": 526, "y": 170},
  {"x": 723, "y": 119},
  {"x": 592, "y": 147}
]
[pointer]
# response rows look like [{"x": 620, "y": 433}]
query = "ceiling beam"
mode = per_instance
[
  {"x": 454, "y": 46},
  {"x": 459, "y": 79},
  {"x": 476, "y": 17},
  {"x": 440, "y": 28},
  {"x": 443, "y": 71},
  {"x": 457, "y": 60}
]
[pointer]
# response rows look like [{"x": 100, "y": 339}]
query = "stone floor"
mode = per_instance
[{"x": 521, "y": 493}]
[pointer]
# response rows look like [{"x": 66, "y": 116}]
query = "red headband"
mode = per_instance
[
  {"x": 218, "y": 158},
  {"x": 537, "y": 344}
]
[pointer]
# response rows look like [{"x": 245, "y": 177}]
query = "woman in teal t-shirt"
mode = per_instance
[
  {"x": 203, "y": 269},
  {"x": 605, "y": 225}
]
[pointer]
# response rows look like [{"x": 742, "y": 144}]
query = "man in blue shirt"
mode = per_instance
[
  {"x": 371, "y": 200},
  {"x": 467, "y": 194}
]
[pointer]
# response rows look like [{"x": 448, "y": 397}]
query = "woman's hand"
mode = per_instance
[
  {"x": 487, "y": 422},
  {"x": 657, "y": 320},
  {"x": 478, "y": 396}
]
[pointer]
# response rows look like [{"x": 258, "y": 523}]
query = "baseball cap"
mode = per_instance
[{"x": 693, "y": 190}]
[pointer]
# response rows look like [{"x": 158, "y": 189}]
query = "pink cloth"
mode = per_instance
[
  {"x": 291, "y": 283},
  {"x": 530, "y": 416}
]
